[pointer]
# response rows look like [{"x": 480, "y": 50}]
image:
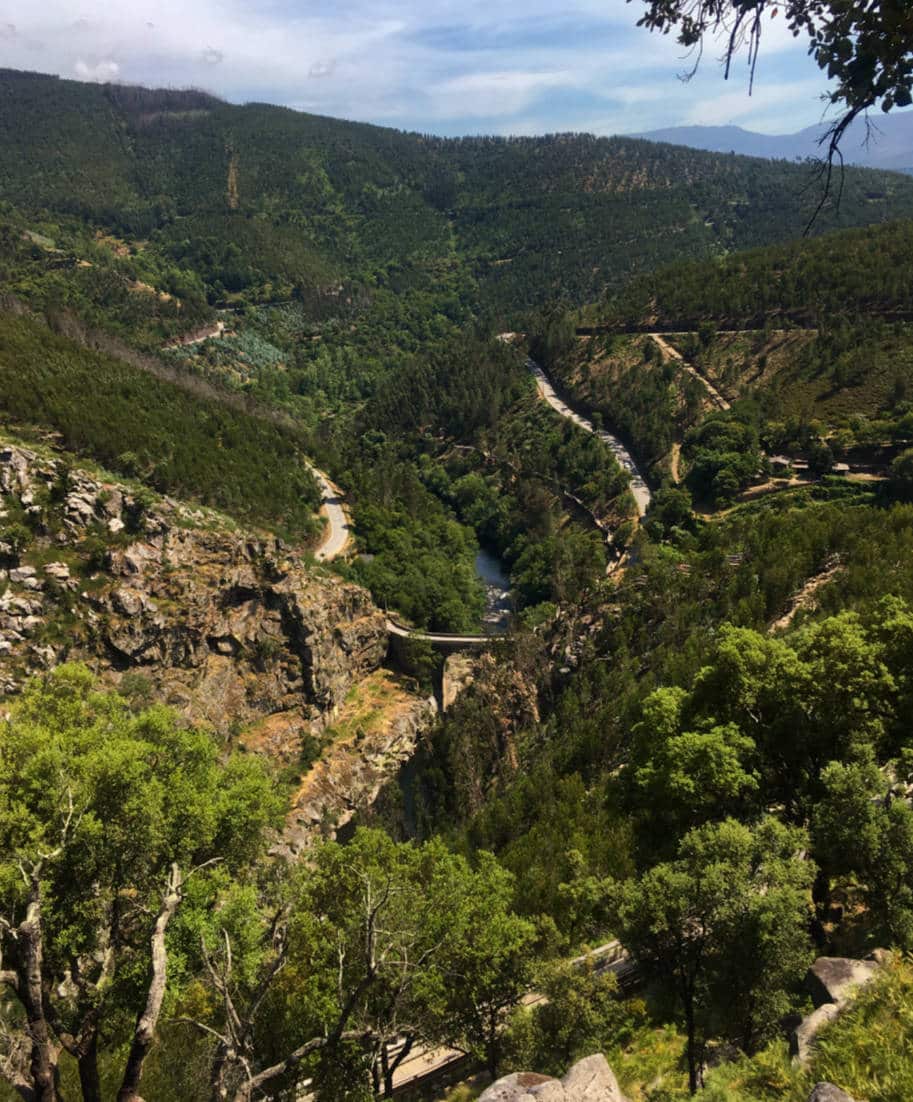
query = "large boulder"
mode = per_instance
[
  {"x": 589, "y": 1080},
  {"x": 592, "y": 1080},
  {"x": 803, "y": 1036},
  {"x": 835, "y": 979},
  {"x": 524, "y": 1086},
  {"x": 827, "y": 1092}
]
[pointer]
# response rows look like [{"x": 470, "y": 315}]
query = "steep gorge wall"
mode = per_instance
[{"x": 229, "y": 627}]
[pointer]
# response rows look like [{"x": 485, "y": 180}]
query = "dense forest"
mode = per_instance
[
  {"x": 259, "y": 200},
  {"x": 807, "y": 282},
  {"x": 695, "y": 736},
  {"x": 176, "y": 440}
]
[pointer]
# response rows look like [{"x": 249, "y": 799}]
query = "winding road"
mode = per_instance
[
  {"x": 338, "y": 535},
  {"x": 639, "y": 487},
  {"x": 425, "y": 1065}
]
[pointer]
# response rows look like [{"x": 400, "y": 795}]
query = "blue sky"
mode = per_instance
[{"x": 440, "y": 66}]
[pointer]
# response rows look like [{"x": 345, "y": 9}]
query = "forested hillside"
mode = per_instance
[
  {"x": 265, "y": 841},
  {"x": 836, "y": 275},
  {"x": 710, "y": 369},
  {"x": 258, "y": 200}
]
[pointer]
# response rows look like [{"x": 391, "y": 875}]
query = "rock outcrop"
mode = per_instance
[
  {"x": 377, "y": 732},
  {"x": 802, "y": 1038},
  {"x": 229, "y": 626},
  {"x": 835, "y": 979},
  {"x": 589, "y": 1080},
  {"x": 457, "y": 675},
  {"x": 827, "y": 1092},
  {"x": 831, "y": 982}
]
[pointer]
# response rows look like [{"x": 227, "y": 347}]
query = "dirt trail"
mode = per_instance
[
  {"x": 671, "y": 353},
  {"x": 675, "y": 462},
  {"x": 197, "y": 336},
  {"x": 805, "y": 598}
]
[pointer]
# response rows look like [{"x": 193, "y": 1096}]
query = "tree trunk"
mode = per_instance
[
  {"x": 390, "y": 1069},
  {"x": 491, "y": 1048},
  {"x": 694, "y": 1078},
  {"x": 821, "y": 896},
  {"x": 89, "y": 1080},
  {"x": 43, "y": 1057},
  {"x": 218, "y": 1088},
  {"x": 378, "y": 1070},
  {"x": 144, "y": 1033}
]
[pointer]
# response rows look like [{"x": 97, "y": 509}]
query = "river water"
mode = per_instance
[{"x": 498, "y": 601}]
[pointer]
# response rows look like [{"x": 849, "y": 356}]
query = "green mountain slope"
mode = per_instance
[
  {"x": 862, "y": 271},
  {"x": 804, "y": 348},
  {"x": 181, "y": 441},
  {"x": 254, "y": 195}
]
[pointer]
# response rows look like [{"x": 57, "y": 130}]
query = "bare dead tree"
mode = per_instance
[{"x": 147, "y": 1022}]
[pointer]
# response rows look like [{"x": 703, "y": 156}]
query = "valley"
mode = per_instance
[{"x": 428, "y": 567}]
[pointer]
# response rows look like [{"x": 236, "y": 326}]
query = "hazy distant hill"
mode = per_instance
[{"x": 890, "y": 144}]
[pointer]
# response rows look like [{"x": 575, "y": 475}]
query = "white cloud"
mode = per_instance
[
  {"x": 425, "y": 64},
  {"x": 99, "y": 72},
  {"x": 322, "y": 69},
  {"x": 770, "y": 107},
  {"x": 492, "y": 94}
]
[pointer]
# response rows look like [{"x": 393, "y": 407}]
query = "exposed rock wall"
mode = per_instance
[
  {"x": 832, "y": 983},
  {"x": 230, "y": 627},
  {"x": 356, "y": 766}
]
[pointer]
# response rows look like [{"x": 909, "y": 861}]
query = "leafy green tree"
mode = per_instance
[
  {"x": 825, "y": 695},
  {"x": 670, "y": 508},
  {"x": 820, "y": 458},
  {"x": 105, "y": 818},
  {"x": 722, "y": 927},
  {"x": 902, "y": 475},
  {"x": 487, "y": 965},
  {"x": 864, "y": 831},
  {"x": 337, "y": 969},
  {"x": 583, "y": 1012},
  {"x": 686, "y": 777}
]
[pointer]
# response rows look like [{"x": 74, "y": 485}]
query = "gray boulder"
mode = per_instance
[
  {"x": 589, "y": 1080},
  {"x": 835, "y": 979},
  {"x": 827, "y": 1092},
  {"x": 592, "y": 1080},
  {"x": 524, "y": 1086},
  {"x": 803, "y": 1036}
]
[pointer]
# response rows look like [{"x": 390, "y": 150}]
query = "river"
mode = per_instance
[{"x": 498, "y": 600}]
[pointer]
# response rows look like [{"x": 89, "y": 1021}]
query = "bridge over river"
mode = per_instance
[{"x": 443, "y": 640}]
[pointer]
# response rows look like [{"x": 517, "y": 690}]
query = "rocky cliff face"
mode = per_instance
[
  {"x": 230, "y": 628},
  {"x": 377, "y": 730}
]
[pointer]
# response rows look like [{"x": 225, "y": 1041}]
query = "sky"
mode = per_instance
[{"x": 438, "y": 66}]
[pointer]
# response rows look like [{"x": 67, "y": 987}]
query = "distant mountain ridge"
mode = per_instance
[{"x": 890, "y": 146}]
